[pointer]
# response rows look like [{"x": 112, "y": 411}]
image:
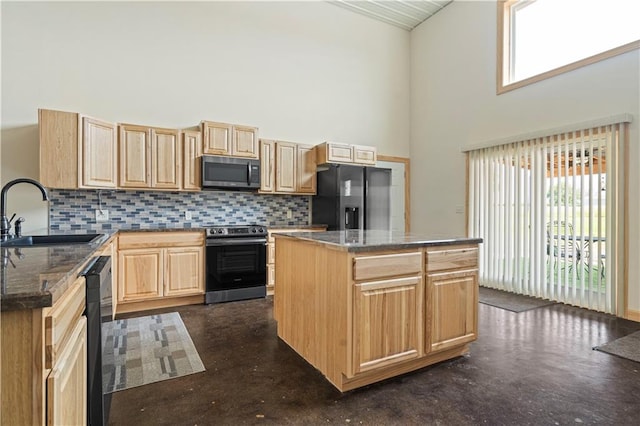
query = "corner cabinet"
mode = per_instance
[
  {"x": 76, "y": 151},
  {"x": 229, "y": 139},
  {"x": 44, "y": 362},
  {"x": 452, "y": 296},
  {"x": 158, "y": 269},
  {"x": 287, "y": 168}
]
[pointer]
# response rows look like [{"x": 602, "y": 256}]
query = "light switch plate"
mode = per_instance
[
  {"x": 289, "y": 214},
  {"x": 187, "y": 215},
  {"x": 102, "y": 215}
]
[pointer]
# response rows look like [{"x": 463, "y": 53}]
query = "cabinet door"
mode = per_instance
[
  {"x": 216, "y": 138},
  {"x": 339, "y": 153},
  {"x": 166, "y": 159},
  {"x": 192, "y": 150},
  {"x": 135, "y": 156},
  {"x": 245, "y": 142},
  {"x": 99, "y": 154},
  {"x": 67, "y": 382},
  {"x": 285, "y": 167},
  {"x": 140, "y": 274},
  {"x": 267, "y": 165},
  {"x": 306, "y": 165},
  {"x": 364, "y": 155},
  {"x": 452, "y": 309},
  {"x": 387, "y": 322},
  {"x": 184, "y": 271}
]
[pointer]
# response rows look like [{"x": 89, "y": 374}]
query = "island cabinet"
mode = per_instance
[
  {"x": 452, "y": 295},
  {"x": 159, "y": 269},
  {"x": 271, "y": 252},
  {"x": 76, "y": 151},
  {"x": 362, "y": 313},
  {"x": 44, "y": 362},
  {"x": 387, "y": 310}
]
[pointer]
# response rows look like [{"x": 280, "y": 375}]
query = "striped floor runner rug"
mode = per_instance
[{"x": 138, "y": 351}]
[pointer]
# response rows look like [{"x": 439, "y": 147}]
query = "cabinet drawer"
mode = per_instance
[
  {"x": 61, "y": 320},
  {"x": 439, "y": 258},
  {"x": 137, "y": 240},
  {"x": 368, "y": 267}
]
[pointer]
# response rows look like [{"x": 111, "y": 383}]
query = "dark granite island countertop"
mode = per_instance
[
  {"x": 357, "y": 241},
  {"x": 35, "y": 277}
]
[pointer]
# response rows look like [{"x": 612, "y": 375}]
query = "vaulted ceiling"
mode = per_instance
[{"x": 405, "y": 14}]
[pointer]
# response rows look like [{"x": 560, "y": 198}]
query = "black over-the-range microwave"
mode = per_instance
[{"x": 230, "y": 173}]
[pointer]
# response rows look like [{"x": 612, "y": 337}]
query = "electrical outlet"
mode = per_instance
[
  {"x": 289, "y": 214},
  {"x": 459, "y": 209},
  {"x": 187, "y": 215},
  {"x": 102, "y": 215}
]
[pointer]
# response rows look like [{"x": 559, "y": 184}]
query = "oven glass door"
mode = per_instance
[{"x": 237, "y": 265}]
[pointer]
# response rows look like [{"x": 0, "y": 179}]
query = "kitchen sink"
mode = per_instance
[{"x": 49, "y": 240}]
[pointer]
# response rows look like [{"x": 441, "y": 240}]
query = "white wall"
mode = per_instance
[
  {"x": 300, "y": 71},
  {"x": 454, "y": 103}
]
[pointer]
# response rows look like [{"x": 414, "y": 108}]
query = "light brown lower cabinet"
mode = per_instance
[
  {"x": 387, "y": 322},
  {"x": 452, "y": 283},
  {"x": 67, "y": 382},
  {"x": 44, "y": 362},
  {"x": 362, "y": 317},
  {"x": 271, "y": 253},
  {"x": 159, "y": 269}
]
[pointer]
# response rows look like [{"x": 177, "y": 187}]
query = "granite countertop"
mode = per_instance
[
  {"x": 35, "y": 277},
  {"x": 285, "y": 226},
  {"x": 364, "y": 241}
]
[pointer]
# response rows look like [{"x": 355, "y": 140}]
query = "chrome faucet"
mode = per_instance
[{"x": 5, "y": 224}]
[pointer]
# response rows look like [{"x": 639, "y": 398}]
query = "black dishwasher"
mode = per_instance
[{"x": 98, "y": 311}]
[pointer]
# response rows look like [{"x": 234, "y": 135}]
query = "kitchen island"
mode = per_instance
[{"x": 364, "y": 306}]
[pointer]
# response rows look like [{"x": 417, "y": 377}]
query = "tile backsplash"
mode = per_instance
[{"x": 71, "y": 210}]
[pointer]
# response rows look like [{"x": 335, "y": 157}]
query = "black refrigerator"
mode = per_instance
[{"x": 352, "y": 197}]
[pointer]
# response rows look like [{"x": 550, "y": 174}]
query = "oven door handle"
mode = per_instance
[{"x": 234, "y": 241}]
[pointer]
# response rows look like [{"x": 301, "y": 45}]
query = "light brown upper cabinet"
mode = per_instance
[
  {"x": 364, "y": 154},
  {"x": 76, "y": 151},
  {"x": 287, "y": 168},
  {"x": 229, "y": 139},
  {"x": 267, "y": 165},
  {"x": 192, "y": 151},
  {"x": 149, "y": 157},
  {"x": 331, "y": 152},
  {"x": 306, "y": 168}
]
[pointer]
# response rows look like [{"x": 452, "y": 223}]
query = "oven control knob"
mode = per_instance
[
  {"x": 260, "y": 230},
  {"x": 254, "y": 230},
  {"x": 220, "y": 231}
]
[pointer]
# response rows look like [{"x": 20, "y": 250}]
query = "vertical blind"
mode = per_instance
[{"x": 550, "y": 211}]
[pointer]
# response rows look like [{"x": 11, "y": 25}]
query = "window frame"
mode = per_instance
[{"x": 504, "y": 65}]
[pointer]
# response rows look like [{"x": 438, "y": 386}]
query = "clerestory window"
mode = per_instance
[{"x": 538, "y": 39}]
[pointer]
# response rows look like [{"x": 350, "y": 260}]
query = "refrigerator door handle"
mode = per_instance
[{"x": 346, "y": 217}]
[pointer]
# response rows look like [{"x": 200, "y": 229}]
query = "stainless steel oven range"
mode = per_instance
[{"x": 236, "y": 263}]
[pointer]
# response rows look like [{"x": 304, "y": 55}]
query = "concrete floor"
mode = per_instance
[{"x": 535, "y": 367}]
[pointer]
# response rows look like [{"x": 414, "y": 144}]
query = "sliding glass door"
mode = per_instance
[{"x": 549, "y": 211}]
